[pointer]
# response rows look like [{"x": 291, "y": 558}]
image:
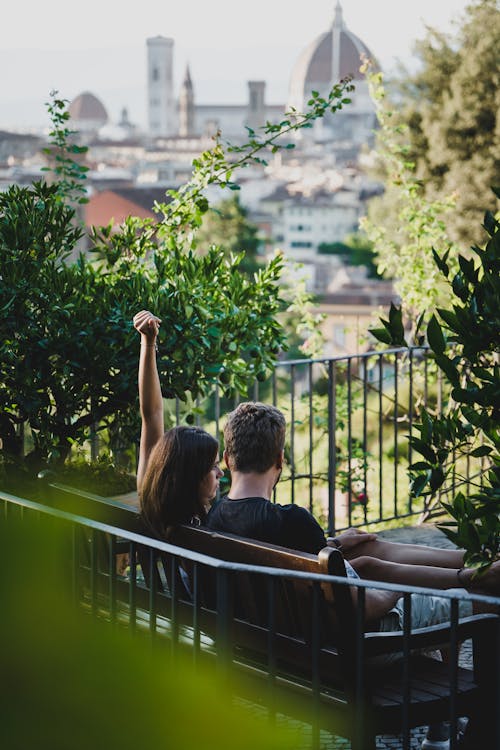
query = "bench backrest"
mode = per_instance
[
  {"x": 296, "y": 602},
  {"x": 298, "y": 605}
]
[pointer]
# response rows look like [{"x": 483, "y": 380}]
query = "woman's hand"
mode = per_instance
[
  {"x": 148, "y": 326},
  {"x": 350, "y": 539}
]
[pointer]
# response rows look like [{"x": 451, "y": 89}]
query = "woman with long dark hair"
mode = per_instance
[{"x": 178, "y": 472}]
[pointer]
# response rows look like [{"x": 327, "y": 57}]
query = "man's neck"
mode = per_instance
[{"x": 252, "y": 485}]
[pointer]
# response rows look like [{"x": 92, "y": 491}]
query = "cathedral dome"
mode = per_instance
[
  {"x": 332, "y": 56},
  {"x": 87, "y": 112}
]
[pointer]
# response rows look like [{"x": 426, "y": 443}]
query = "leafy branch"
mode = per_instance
[
  {"x": 464, "y": 342},
  {"x": 70, "y": 174},
  {"x": 182, "y": 215},
  {"x": 404, "y": 252}
]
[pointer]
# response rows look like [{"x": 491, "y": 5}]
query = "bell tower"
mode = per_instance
[
  {"x": 186, "y": 106},
  {"x": 337, "y": 27},
  {"x": 256, "y": 111},
  {"x": 161, "y": 106}
]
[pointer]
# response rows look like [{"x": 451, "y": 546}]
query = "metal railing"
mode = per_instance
[
  {"x": 349, "y": 419},
  {"x": 169, "y": 614}
]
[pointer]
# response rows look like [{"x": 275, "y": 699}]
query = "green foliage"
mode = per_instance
[
  {"x": 451, "y": 105},
  {"x": 68, "y": 348},
  {"x": 64, "y": 156},
  {"x": 36, "y": 299},
  {"x": 404, "y": 225},
  {"x": 303, "y": 326},
  {"x": 393, "y": 331},
  {"x": 102, "y": 476},
  {"x": 226, "y": 225},
  {"x": 465, "y": 342},
  {"x": 333, "y": 248},
  {"x": 68, "y": 351},
  {"x": 66, "y": 677},
  {"x": 357, "y": 250}
]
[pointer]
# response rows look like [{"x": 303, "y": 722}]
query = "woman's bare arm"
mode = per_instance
[{"x": 150, "y": 398}]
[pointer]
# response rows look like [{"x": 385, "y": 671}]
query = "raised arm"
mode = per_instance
[{"x": 150, "y": 398}]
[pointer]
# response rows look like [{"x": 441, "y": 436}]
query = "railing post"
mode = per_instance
[
  {"x": 332, "y": 446},
  {"x": 311, "y": 444},
  {"x": 292, "y": 431},
  {"x": 223, "y": 623}
]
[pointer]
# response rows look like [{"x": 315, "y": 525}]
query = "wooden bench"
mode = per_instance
[{"x": 298, "y": 641}]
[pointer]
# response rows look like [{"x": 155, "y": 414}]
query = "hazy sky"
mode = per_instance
[{"x": 100, "y": 46}]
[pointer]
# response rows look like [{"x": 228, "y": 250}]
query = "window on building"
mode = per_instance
[
  {"x": 339, "y": 335},
  {"x": 155, "y": 74}
]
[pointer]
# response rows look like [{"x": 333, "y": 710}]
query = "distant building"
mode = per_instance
[
  {"x": 117, "y": 204},
  {"x": 187, "y": 125},
  {"x": 161, "y": 103},
  {"x": 335, "y": 54},
  {"x": 332, "y": 56},
  {"x": 349, "y": 307},
  {"x": 309, "y": 222},
  {"x": 88, "y": 114}
]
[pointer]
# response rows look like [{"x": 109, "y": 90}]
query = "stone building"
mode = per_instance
[
  {"x": 332, "y": 56},
  {"x": 88, "y": 114}
]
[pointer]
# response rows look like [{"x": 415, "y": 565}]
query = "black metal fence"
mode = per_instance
[
  {"x": 159, "y": 591},
  {"x": 349, "y": 419},
  {"x": 349, "y": 422}
]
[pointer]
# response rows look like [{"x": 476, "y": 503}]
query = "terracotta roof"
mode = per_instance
[
  {"x": 144, "y": 197},
  {"x": 117, "y": 204}
]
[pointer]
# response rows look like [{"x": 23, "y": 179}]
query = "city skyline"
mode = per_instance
[{"x": 104, "y": 51}]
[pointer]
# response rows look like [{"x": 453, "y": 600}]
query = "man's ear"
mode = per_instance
[
  {"x": 281, "y": 459},
  {"x": 226, "y": 459}
]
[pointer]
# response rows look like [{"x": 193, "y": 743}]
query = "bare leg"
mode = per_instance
[
  {"x": 430, "y": 576},
  {"x": 412, "y": 554}
]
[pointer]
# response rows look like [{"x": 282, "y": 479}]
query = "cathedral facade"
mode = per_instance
[{"x": 333, "y": 55}]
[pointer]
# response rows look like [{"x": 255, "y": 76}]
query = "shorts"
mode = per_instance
[{"x": 425, "y": 611}]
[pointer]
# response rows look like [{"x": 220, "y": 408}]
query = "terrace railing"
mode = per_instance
[
  {"x": 159, "y": 612},
  {"x": 349, "y": 419}
]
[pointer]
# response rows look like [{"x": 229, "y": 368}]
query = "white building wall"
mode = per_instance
[{"x": 305, "y": 227}]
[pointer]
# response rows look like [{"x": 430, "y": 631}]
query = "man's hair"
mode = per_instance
[{"x": 254, "y": 437}]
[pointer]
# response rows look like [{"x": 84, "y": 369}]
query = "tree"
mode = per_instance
[
  {"x": 68, "y": 355},
  {"x": 452, "y": 106},
  {"x": 227, "y": 226},
  {"x": 464, "y": 339},
  {"x": 404, "y": 225},
  {"x": 356, "y": 250}
]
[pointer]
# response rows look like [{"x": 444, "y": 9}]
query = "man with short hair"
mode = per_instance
[
  {"x": 254, "y": 437},
  {"x": 254, "y": 440}
]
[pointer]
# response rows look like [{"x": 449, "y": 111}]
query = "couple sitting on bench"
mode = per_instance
[{"x": 178, "y": 477}]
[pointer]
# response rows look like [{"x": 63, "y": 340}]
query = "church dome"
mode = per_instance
[
  {"x": 332, "y": 56},
  {"x": 88, "y": 112}
]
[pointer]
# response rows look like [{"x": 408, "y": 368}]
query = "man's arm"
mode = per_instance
[
  {"x": 350, "y": 540},
  {"x": 377, "y": 602}
]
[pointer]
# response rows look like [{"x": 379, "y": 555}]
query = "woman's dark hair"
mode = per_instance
[{"x": 169, "y": 494}]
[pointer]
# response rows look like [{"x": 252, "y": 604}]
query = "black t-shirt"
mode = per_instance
[{"x": 257, "y": 518}]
